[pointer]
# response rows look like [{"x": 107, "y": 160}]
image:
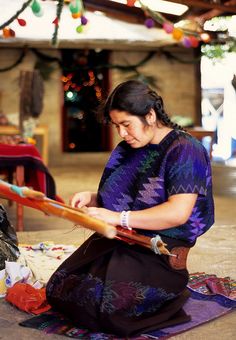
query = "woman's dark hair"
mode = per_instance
[{"x": 137, "y": 98}]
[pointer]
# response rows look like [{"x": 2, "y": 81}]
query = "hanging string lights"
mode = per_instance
[
  {"x": 77, "y": 11},
  {"x": 21, "y": 22},
  {"x": 76, "y": 8},
  {"x": 36, "y": 8},
  {"x": 7, "y": 32},
  {"x": 189, "y": 38}
]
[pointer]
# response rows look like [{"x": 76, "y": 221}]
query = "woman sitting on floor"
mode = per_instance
[{"x": 158, "y": 182}]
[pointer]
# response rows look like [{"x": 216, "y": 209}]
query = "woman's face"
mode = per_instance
[{"x": 132, "y": 129}]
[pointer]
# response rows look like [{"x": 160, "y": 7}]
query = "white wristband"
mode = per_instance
[{"x": 124, "y": 219}]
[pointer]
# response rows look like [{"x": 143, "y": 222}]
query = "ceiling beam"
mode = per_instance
[
  {"x": 117, "y": 10},
  {"x": 229, "y": 6}
]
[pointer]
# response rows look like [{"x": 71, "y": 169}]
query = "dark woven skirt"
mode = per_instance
[{"x": 112, "y": 287}]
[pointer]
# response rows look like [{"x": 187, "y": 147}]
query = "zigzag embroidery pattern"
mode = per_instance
[
  {"x": 151, "y": 190},
  {"x": 115, "y": 158},
  {"x": 189, "y": 188}
]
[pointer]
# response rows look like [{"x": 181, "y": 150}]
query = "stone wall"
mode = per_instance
[
  {"x": 53, "y": 95},
  {"x": 176, "y": 81}
]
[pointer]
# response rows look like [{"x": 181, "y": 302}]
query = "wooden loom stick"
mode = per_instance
[
  {"x": 77, "y": 217},
  {"x": 129, "y": 236},
  {"x": 145, "y": 241},
  {"x": 38, "y": 195},
  {"x": 36, "y": 200}
]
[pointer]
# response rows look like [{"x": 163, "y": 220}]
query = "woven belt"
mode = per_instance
[{"x": 180, "y": 260}]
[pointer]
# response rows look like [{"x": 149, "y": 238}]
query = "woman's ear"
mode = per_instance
[{"x": 151, "y": 117}]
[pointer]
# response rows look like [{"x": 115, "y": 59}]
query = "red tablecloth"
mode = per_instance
[{"x": 37, "y": 175}]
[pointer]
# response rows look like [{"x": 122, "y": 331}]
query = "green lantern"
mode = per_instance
[
  {"x": 75, "y": 6},
  {"x": 36, "y": 8}
]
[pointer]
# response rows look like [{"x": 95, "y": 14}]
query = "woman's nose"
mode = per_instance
[{"x": 122, "y": 132}]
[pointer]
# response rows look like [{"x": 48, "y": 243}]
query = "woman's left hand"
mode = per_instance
[{"x": 108, "y": 216}]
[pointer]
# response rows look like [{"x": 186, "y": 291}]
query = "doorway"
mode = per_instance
[
  {"x": 85, "y": 84},
  {"x": 219, "y": 105}
]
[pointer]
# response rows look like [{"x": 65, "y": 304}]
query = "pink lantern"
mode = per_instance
[{"x": 168, "y": 27}]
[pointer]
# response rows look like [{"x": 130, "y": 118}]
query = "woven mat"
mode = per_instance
[{"x": 211, "y": 297}]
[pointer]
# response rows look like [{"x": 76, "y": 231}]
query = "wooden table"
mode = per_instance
[{"x": 40, "y": 130}]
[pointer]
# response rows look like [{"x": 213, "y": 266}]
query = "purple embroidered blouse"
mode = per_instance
[{"x": 136, "y": 179}]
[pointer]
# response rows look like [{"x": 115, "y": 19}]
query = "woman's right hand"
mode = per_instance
[{"x": 81, "y": 199}]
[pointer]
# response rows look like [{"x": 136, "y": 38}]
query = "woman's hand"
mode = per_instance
[
  {"x": 108, "y": 216},
  {"x": 83, "y": 199}
]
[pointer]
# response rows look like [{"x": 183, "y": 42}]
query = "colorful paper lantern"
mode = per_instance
[
  {"x": 76, "y": 15},
  {"x": 205, "y": 37},
  {"x": 75, "y": 6},
  {"x": 149, "y": 23},
  {"x": 12, "y": 33},
  {"x": 194, "y": 41},
  {"x": 21, "y": 22},
  {"x": 6, "y": 32},
  {"x": 131, "y": 3},
  {"x": 177, "y": 34},
  {"x": 187, "y": 42},
  {"x": 84, "y": 20},
  {"x": 56, "y": 21},
  {"x": 79, "y": 29},
  {"x": 168, "y": 27},
  {"x": 36, "y": 8}
]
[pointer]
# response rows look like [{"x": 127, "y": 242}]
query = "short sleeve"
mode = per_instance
[{"x": 187, "y": 168}]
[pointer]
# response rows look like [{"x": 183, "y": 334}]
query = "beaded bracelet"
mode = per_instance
[{"x": 124, "y": 219}]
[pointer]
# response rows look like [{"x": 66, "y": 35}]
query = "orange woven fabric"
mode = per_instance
[{"x": 28, "y": 298}]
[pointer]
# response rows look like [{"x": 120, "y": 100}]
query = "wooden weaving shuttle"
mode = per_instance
[{"x": 38, "y": 200}]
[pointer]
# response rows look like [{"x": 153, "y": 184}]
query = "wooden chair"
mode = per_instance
[{"x": 24, "y": 165}]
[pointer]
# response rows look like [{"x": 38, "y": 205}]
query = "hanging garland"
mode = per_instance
[
  {"x": 76, "y": 7},
  {"x": 189, "y": 38},
  {"x": 213, "y": 48},
  {"x": 36, "y": 8},
  {"x": 126, "y": 68},
  {"x": 77, "y": 11},
  {"x": 15, "y": 16},
  {"x": 16, "y": 63},
  {"x": 172, "y": 57},
  {"x": 45, "y": 57},
  {"x": 56, "y": 21}
]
